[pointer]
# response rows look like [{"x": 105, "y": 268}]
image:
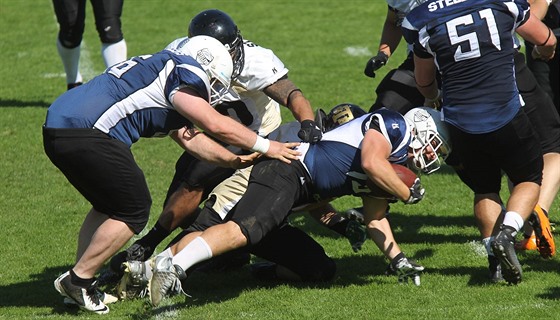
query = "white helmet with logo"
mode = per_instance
[
  {"x": 216, "y": 61},
  {"x": 429, "y": 130}
]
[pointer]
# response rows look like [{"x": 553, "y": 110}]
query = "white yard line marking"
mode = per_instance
[{"x": 358, "y": 51}]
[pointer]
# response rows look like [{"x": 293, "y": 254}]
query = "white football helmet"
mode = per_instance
[
  {"x": 429, "y": 130},
  {"x": 216, "y": 61}
]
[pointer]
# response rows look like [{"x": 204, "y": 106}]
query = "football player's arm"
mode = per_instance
[
  {"x": 204, "y": 148},
  {"x": 390, "y": 39},
  {"x": 375, "y": 152},
  {"x": 189, "y": 104},
  {"x": 391, "y": 34},
  {"x": 539, "y": 8},
  {"x": 425, "y": 75},
  {"x": 285, "y": 92},
  {"x": 536, "y": 32}
]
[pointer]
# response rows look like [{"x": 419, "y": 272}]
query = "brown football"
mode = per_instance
[{"x": 407, "y": 176}]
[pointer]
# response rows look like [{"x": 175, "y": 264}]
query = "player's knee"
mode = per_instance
[
  {"x": 110, "y": 30},
  {"x": 70, "y": 38},
  {"x": 254, "y": 230},
  {"x": 71, "y": 32}
]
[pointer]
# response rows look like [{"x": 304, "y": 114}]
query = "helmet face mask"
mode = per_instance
[
  {"x": 216, "y": 62},
  {"x": 430, "y": 144},
  {"x": 217, "y": 24}
]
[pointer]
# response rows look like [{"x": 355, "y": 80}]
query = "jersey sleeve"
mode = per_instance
[
  {"x": 262, "y": 67},
  {"x": 413, "y": 34},
  {"x": 187, "y": 73},
  {"x": 396, "y": 131}
]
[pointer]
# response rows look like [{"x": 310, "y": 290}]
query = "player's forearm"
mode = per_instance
[
  {"x": 390, "y": 38},
  {"x": 204, "y": 148},
  {"x": 286, "y": 93},
  {"x": 425, "y": 76}
]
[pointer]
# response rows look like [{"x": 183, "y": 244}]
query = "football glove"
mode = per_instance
[
  {"x": 405, "y": 269},
  {"x": 374, "y": 63},
  {"x": 310, "y": 132},
  {"x": 416, "y": 192}
]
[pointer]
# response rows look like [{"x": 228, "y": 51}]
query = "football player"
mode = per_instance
[
  {"x": 338, "y": 165},
  {"x": 260, "y": 84},
  {"x": 397, "y": 91},
  {"x": 471, "y": 44},
  {"x": 291, "y": 253},
  {"x": 88, "y": 132},
  {"x": 71, "y": 16}
]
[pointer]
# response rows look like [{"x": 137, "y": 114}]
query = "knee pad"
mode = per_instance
[
  {"x": 109, "y": 30},
  {"x": 70, "y": 36}
]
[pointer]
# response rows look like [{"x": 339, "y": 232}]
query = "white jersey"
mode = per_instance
[
  {"x": 246, "y": 102},
  {"x": 229, "y": 192},
  {"x": 402, "y": 7}
]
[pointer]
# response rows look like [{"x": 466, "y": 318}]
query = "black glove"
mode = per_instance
[
  {"x": 375, "y": 63},
  {"x": 404, "y": 269},
  {"x": 309, "y": 132},
  {"x": 416, "y": 192}
]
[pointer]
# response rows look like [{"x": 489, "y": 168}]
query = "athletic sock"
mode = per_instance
[
  {"x": 486, "y": 242},
  {"x": 80, "y": 282},
  {"x": 514, "y": 220},
  {"x": 196, "y": 251},
  {"x": 71, "y": 61},
  {"x": 113, "y": 53}
]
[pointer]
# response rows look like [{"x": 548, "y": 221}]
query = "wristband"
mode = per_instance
[
  {"x": 261, "y": 145},
  {"x": 549, "y": 34}
]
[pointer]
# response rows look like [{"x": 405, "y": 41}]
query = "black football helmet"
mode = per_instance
[
  {"x": 219, "y": 25},
  {"x": 341, "y": 114}
]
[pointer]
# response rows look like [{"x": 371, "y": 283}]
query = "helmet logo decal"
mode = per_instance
[{"x": 204, "y": 57}]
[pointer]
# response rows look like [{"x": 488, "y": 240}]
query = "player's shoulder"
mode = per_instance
[
  {"x": 177, "y": 43},
  {"x": 262, "y": 67},
  {"x": 402, "y": 6},
  {"x": 254, "y": 52}
]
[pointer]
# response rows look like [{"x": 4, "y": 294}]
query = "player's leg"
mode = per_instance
[
  {"x": 70, "y": 15},
  {"x": 470, "y": 160},
  {"x": 107, "y": 15},
  {"x": 351, "y": 229},
  {"x": 274, "y": 187},
  {"x": 186, "y": 192},
  {"x": 546, "y": 123},
  {"x": 90, "y": 159},
  {"x": 293, "y": 255},
  {"x": 519, "y": 155}
]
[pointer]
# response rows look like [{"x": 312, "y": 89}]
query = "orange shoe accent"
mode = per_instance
[
  {"x": 543, "y": 233},
  {"x": 528, "y": 243}
]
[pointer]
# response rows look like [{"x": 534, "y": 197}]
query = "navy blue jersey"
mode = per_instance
[
  {"x": 131, "y": 99},
  {"x": 473, "y": 45},
  {"x": 334, "y": 163}
]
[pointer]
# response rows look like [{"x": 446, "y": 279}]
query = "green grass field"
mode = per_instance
[{"x": 325, "y": 44}]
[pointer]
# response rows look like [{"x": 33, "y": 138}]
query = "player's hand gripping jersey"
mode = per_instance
[
  {"x": 340, "y": 152},
  {"x": 246, "y": 102},
  {"x": 474, "y": 49},
  {"x": 140, "y": 100}
]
